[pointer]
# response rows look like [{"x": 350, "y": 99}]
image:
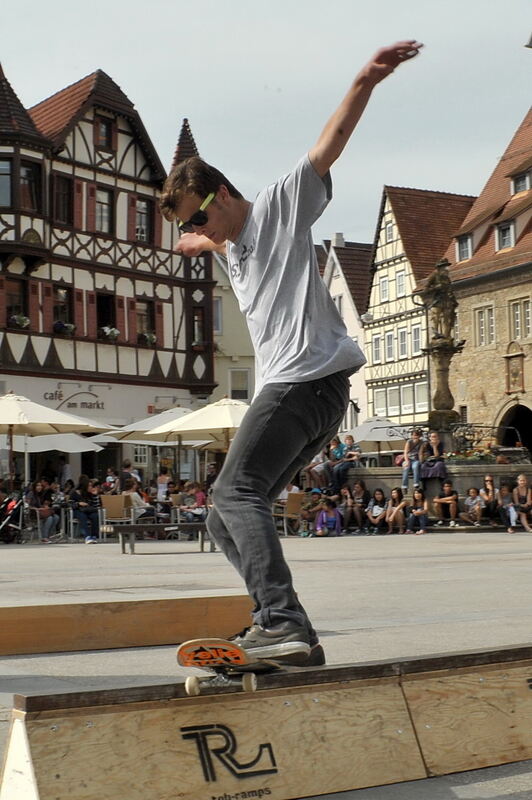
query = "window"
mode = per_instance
[
  {"x": 400, "y": 285},
  {"x": 393, "y": 401},
  {"x": 140, "y": 454},
  {"x": 217, "y": 315},
  {"x": 15, "y": 298},
  {"x": 239, "y": 384},
  {"x": 105, "y": 311},
  {"x": 521, "y": 182},
  {"x": 63, "y": 200},
  {"x": 143, "y": 220},
  {"x": 505, "y": 235},
  {"x": 407, "y": 399},
  {"x": 383, "y": 284},
  {"x": 350, "y": 420},
  {"x": 379, "y": 402},
  {"x": 104, "y": 207},
  {"x": 463, "y": 248},
  {"x": 376, "y": 349},
  {"x": 5, "y": 183},
  {"x": 145, "y": 310},
  {"x": 416, "y": 340},
  {"x": 198, "y": 326},
  {"x": 63, "y": 304},
  {"x": 388, "y": 232},
  {"x": 520, "y": 319},
  {"x": 338, "y": 303},
  {"x": 485, "y": 325},
  {"x": 30, "y": 186},
  {"x": 402, "y": 343},
  {"x": 388, "y": 338},
  {"x": 421, "y": 393},
  {"x": 103, "y": 133},
  {"x": 462, "y": 410}
]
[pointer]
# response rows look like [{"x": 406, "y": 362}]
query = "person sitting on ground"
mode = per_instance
[
  {"x": 361, "y": 498},
  {"x": 131, "y": 488},
  {"x": 376, "y": 511},
  {"x": 345, "y": 507},
  {"x": 395, "y": 514},
  {"x": 506, "y": 508},
  {"x": 446, "y": 504},
  {"x": 417, "y": 513},
  {"x": 310, "y": 509},
  {"x": 351, "y": 458},
  {"x": 431, "y": 456},
  {"x": 411, "y": 460},
  {"x": 194, "y": 506},
  {"x": 329, "y": 521},
  {"x": 522, "y": 497},
  {"x": 85, "y": 510},
  {"x": 474, "y": 506},
  {"x": 488, "y": 494},
  {"x": 41, "y": 502}
]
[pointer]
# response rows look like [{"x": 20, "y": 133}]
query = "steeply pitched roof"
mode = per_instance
[
  {"x": 426, "y": 221},
  {"x": 355, "y": 259},
  {"x": 15, "y": 122},
  {"x": 186, "y": 146},
  {"x": 57, "y": 115},
  {"x": 494, "y": 205},
  {"x": 322, "y": 251}
]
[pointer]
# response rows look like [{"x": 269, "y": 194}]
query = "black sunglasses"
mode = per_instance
[{"x": 199, "y": 218}]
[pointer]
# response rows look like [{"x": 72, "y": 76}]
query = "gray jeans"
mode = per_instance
[{"x": 286, "y": 425}]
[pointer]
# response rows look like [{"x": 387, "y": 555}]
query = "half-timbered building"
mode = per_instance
[
  {"x": 413, "y": 231},
  {"x": 98, "y": 315}
]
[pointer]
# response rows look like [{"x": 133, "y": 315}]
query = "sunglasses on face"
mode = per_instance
[{"x": 199, "y": 218}]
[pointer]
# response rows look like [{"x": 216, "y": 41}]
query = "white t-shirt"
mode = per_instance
[{"x": 296, "y": 330}]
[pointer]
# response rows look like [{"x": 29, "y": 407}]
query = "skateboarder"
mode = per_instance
[{"x": 303, "y": 354}]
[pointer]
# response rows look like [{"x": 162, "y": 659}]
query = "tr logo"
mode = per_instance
[{"x": 218, "y": 741}]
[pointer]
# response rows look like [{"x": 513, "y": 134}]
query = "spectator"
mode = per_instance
[
  {"x": 68, "y": 489},
  {"x": 111, "y": 483},
  {"x": 350, "y": 459},
  {"x": 124, "y": 474},
  {"x": 162, "y": 483},
  {"x": 395, "y": 514},
  {"x": 522, "y": 498},
  {"x": 85, "y": 510},
  {"x": 489, "y": 498},
  {"x": 361, "y": 498},
  {"x": 411, "y": 460},
  {"x": 290, "y": 488},
  {"x": 212, "y": 474},
  {"x": 446, "y": 505},
  {"x": 194, "y": 506},
  {"x": 417, "y": 513},
  {"x": 329, "y": 521},
  {"x": 41, "y": 502},
  {"x": 376, "y": 511},
  {"x": 315, "y": 474},
  {"x": 473, "y": 507},
  {"x": 137, "y": 502},
  {"x": 506, "y": 508},
  {"x": 345, "y": 507},
  {"x": 431, "y": 455},
  {"x": 310, "y": 510},
  {"x": 65, "y": 472},
  {"x": 337, "y": 451}
]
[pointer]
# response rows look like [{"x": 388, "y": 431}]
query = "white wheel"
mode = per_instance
[
  {"x": 249, "y": 682},
  {"x": 192, "y": 686}
]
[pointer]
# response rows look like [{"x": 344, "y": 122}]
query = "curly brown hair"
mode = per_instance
[{"x": 192, "y": 176}]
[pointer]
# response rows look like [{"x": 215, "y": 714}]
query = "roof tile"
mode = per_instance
[
  {"x": 15, "y": 122},
  {"x": 355, "y": 259}
]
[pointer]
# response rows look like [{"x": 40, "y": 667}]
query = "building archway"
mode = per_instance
[{"x": 520, "y": 418}]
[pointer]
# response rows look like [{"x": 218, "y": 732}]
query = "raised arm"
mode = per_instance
[
  {"x": 341, "y": 125},
  {"x": 192, "y": 244}
]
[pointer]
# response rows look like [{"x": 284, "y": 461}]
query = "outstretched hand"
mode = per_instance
[{"x": 387, "y": 59}]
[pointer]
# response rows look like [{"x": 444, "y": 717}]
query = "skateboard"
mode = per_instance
[{"x": 228, "y": 663}]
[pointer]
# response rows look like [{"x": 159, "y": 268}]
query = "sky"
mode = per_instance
[{"x": 258, "y": 81}]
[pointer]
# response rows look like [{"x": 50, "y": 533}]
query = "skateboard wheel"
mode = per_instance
[
  {"x": 249, "y": 682},
  {"x": 192, "y": 686}
]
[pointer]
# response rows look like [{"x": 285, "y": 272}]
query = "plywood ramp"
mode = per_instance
[{"x": 101, "y": 626}]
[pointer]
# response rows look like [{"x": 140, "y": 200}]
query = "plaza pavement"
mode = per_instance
[{"x": 370, "y": 598}]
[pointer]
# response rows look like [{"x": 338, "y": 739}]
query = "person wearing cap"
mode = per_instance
[
  {"x": 303, "y": 353},
  {"x": 310, "y": 509}
]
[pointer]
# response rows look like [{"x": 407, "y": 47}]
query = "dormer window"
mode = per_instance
[
  {"x": 521, "y": 182},
  {"x": 464, "y": 247},
  {"x": 505, "y": 235}
]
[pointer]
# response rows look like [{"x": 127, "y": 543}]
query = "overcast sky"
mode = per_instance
[{"x": 258, "y": 80}]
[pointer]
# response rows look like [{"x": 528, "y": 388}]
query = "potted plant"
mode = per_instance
[
  {"x": 64, "y": 328},
  {"x": 109, "y": 333},
  {"x": 147, "y": 338},
  {"x": 19, "y": 321}
]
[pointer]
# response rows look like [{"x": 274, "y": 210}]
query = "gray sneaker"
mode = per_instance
[{"x": 282, "y": 640}]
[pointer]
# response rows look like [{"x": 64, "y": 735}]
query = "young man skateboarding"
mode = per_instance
[{"x": 303, "y": 354}]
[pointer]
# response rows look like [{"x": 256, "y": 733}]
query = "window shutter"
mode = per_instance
[
  {"x": 132, "y": 218},
  {"x": 132, "y": 320},
  {"x": 48, "y": 307},
  {"x": 34, "y": 305},
  {"x": 159, "y": 324},
  {"x": 92, "y": 322},
  {"x": 157, "y": 225},
  {"x": 91, "y": 207},
  {"x": 2, "y": 304},
  {"x": 79, "y": 320},
  {"x": 78, "y": 204},
  {"x": 120, "y": 316}
]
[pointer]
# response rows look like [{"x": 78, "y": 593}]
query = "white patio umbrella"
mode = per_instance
[
  {"x": 217, "y": 422},
  {"x": 21, "y": 416},
  {"x": 134, "y": 430},
  {"x": 381, "y": 432},
  {"x": 63, "y": 442}
]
